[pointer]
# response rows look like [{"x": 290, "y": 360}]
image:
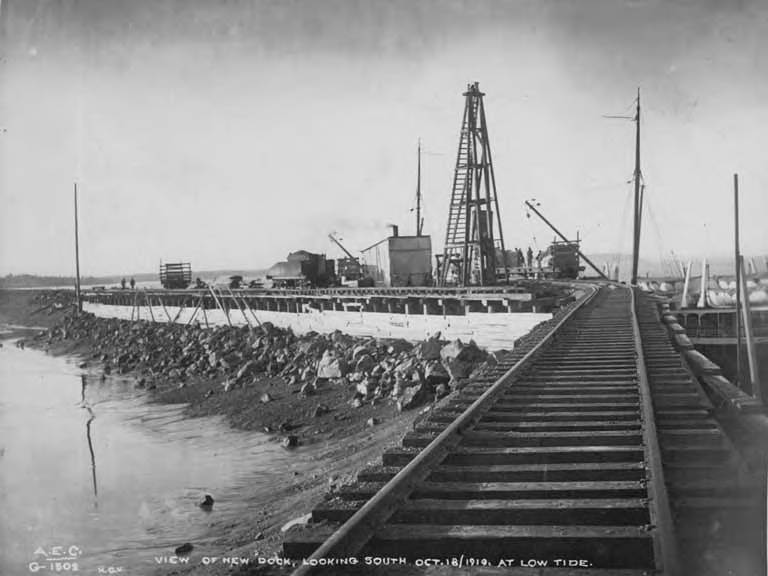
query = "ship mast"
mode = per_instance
[
  {"x": 638, "y": 196},
  {"x": 419, "y": 222}
]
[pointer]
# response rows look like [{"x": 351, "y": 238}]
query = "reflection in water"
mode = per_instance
[
  {"x": 93, "y": 458},
  {"x": 155, "y": 465},
  {"x": 84, "y": 404}
]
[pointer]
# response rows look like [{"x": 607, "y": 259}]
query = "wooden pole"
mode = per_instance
[
  {"x": 736, "y": 257},
  {"x": 205, "y": 314},
  {"x": 194, "y": 312},
  {"x": 686, "y": 285},
  {"x": 148, "y": 300},
  {"x": 181, "y": 309},
  {"x": 78, "y": 302},
  {"x": 239, "y": 307},
  {"x": 162, "y": 303},
  {"x": 754, "y": 375},
  {"x": 220, "y": 305},
  {"x": 638, "y": 201}
]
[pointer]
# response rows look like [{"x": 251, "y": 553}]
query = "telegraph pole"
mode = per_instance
[
  {"x": 638, "y": 197},
  {"x": 77, "y": 261}
]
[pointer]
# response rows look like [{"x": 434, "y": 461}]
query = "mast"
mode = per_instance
[
  {"x": 419, "y": 223},
  {"x": 638, "y": 197},
  {"x": 77, "y": 261},
  {"x": 737, "y": 257}
]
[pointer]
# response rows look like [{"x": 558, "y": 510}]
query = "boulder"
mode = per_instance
[
  {"x": 435, "y": 374},
  {"x": 265, "y": 398},
  {"x": 331, "y": 366},
  {"x": 457, "y": 350},
  {"x": 414, "y": 396},
  {"x": 458, "y": 369},
  {"x": 247, "y": 369},
  {"x": 365, "y": 363},
  {"x": 395, "y": 347},
  {"x": 184, "y": 549},
  {"x": 319, "y": 410},
  {"x": 290, "y": 441},
  {"x": 359, "y": 351},
  {"x": 308, "y": 388},
  {"x": 429, "y": 349}
]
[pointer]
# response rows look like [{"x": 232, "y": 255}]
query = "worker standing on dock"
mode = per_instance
[
  {"x": 133, "y": 283},
  {"x": 122, "y": 283},
  {"x": 529, "y": 258}
]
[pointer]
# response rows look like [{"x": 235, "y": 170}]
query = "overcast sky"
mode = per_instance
[{"x": 230, "y": 133}]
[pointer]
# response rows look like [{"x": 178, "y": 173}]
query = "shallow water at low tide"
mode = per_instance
[{"x": 110, "y": 478}]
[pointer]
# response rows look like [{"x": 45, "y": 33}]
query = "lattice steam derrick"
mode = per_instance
[{"x": 472, "y": 251}]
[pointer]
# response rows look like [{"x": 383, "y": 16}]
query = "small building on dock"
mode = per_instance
[{"x": 399, "y": 261}]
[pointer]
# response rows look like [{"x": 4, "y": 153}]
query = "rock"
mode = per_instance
[
  {"x": 436, "y": 373},
  {"x": 207, "y": 502},
  {"x": 429, "y": 349},
  {"x": 259, "y": 536},
  {"x": 359, "y": 351},
  {"x": 246, "y": 369},
  {"x": 365, "y": 363},
  {"x": 356, "y": 402},
  {"x": 319, "y": 410},
  {"x": 184, "y": 549},
  {"x": 399, "y": 346},
  {"x": 228, "y": 384},
  {"x": 331, "y": 367},
  {"x": 371, "y": 422},
  {"x": 308, "y": 388},
  {"x": 83, "y": 365},
  {"x": 290, "y": 441},
  {"x": 300, "y": 521},
  {"x": 458, "y": 369},
  {"x": 441, "y": 391},
  {"x": 265, "y": 398},
  {"x": 458, "y": 351},
  {"x": 413, "y": 396},
  {"x": 398, "y": 388}
]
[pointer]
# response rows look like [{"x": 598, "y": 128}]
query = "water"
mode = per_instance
[{"x": 114, "y": 476}]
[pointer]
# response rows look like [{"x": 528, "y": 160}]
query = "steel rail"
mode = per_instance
[
  {"x": 357, "y": 531},
  {"x": 665, "y": 545}
]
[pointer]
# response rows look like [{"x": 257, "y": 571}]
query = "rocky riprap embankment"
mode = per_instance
[{"x": 371, "y": 369}]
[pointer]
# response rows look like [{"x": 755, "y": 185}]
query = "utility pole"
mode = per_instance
[
  {"x": 418, "y": 193},
  {"x": 77, "y": 261},
  {"x": 737, "y": 257},
  {"x": 638, "y": 198}
]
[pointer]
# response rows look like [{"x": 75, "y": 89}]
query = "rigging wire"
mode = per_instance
[
  {"x": 623, "y": 227},
  {"x": 666, "y": 266}
]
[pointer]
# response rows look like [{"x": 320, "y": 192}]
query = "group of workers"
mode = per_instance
[
  {"x": 122, "y": 284},
  {"x": 527, "y": 259}
]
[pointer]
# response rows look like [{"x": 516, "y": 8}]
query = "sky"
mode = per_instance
[{"x": 230, "y": 133}]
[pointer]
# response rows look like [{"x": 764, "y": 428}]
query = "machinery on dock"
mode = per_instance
[
  {"x": 303, "y": 269},
  {"x": 474, "y": 232},
  {"x": 176, "y": 275}
]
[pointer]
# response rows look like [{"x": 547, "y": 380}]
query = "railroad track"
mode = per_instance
[{"x": 550, "y": 460}]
